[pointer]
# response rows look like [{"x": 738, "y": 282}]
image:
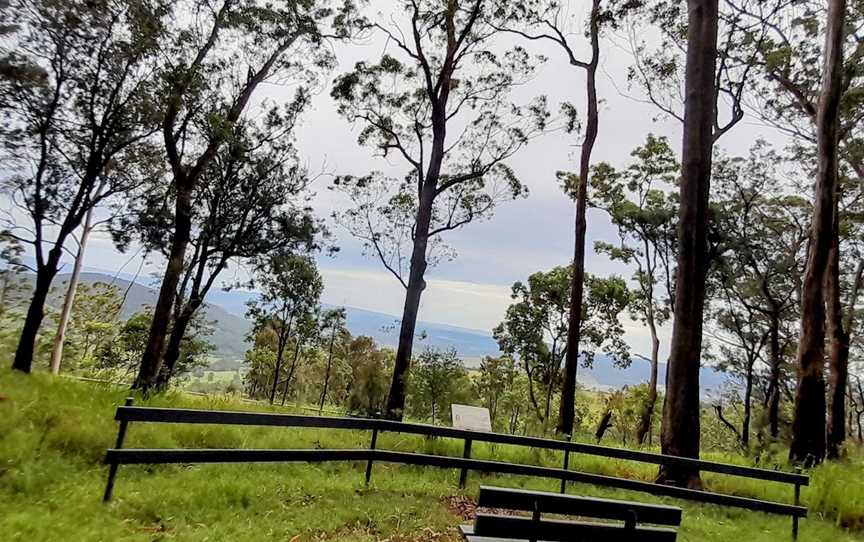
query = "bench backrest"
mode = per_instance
[{"x": 633, "y": 515}]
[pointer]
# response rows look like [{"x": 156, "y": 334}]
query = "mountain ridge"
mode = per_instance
[{"x": 231, "y": 330}]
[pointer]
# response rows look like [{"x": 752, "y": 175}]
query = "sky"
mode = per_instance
[{"x": 523, "y": 237}]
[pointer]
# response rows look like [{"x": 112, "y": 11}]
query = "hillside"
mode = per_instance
[
  {"x": 230, "y": 330},
  {"x": 54, "y": 433},
  {"x": 226, "y": 310}
]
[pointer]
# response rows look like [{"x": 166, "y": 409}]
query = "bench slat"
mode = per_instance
[
  {"x": 555, "y": 503},
  {"x": 565, "y": 531},
  {"x": 483, "y": 465},
  {"x": 468, "y": 534}
]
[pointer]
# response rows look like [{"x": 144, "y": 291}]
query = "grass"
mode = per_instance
[{"x": 54, "y": 432}]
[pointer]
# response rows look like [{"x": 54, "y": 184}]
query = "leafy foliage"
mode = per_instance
[{"x": 437, "y": 381}]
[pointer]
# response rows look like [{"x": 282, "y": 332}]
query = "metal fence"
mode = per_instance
[{"x": 125, "y": 456}]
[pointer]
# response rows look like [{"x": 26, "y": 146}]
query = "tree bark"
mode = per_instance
[
  {"x": 839, "y": 330},
  {"x": 567, "y": 408},
  {"x": 729, "y": 425},
  {"x": 327, "y": 373},
  {"x": 604, "y": 425},
  {"x": 151, "y": 362},
  {"x": 808, "y": 427},
  {"x": 36, "y": 312},
  {"x": 644, "y": 429},
  {"x": 681, "y": 409},
  {"x": 416, "y": 285},
  {"x": 280, "y": 354},
  {"x": 175, "y": 342},
  {"x": 748, "y": 397},
  {"x": 297, "y": 347},
  {"x": 69, "y": 300},
  {"x": 774, "y": 377}
]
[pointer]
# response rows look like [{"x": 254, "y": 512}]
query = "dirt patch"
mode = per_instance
[
  {"x": 466, "y": 508},
  {"x": 461, "y": 506}
]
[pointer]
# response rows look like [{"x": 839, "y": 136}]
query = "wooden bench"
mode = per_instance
[{"x": 631, "y": 517}]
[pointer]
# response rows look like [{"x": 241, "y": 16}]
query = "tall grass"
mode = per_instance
[{"x": 54, "y": 432}]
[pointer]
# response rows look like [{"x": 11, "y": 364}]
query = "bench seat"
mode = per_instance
[{"x": 631, "y": 518}]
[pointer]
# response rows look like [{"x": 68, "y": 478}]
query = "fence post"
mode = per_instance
[
  {"x": 568, "y": 436},
  {"x": 535, "y": 520},
  {"x": 466, "y": 453},
  {"x": 112, "y": 469},
  {"x": 630, "y": 520},
  {"x": 371, "y": 447},
  {"x": 797, "y": 502}
]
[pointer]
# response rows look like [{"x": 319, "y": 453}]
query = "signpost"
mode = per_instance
[{"x": 471, "y": 418}]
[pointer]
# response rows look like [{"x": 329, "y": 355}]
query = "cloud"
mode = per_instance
[
  {"x": 457, "y": 303},
  {"x": 472, "y": 305}
]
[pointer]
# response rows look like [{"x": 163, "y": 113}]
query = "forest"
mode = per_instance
[{"x": 154, "y": 123}]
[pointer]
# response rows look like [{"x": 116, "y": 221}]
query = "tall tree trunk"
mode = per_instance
[
  {"x": 327, "y": 373},
  {"x": 297, "y": 347},
  {"x": 748, "y": 398},
  {"x": 604, "y": 425},
  {"x": 151, "y": 362},
  {"x": 808, "y": 427},
  {"x": 36, "y": 311},
  {"x": 280, "y": 355},
  {"x": 774, "y": 378},
  {"x": 681, "y": 409},
  {"x": 838, "y": 360},
  {"x": 66, "y": 311},
  {"x": 644, "y": 429},
  {"x": 567, "y": 408},
  {"x": 175, "y": 342},
  {"x": 416, "y": 285},
  {"x": 839, "y": 330}
]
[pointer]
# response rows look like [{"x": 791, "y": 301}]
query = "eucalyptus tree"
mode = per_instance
[
  {"x": 808, "y": 427},
  {"x": 659, "y": 66},
  {"x": 438, "y": 380},
  {"x": 495, "y": 385},
  {"x": 787, "y": 97},
  {"x": 214, "y": 60},
  {"x": 77, "y": 94},
  {"x": 251, "y": 201},
  {"x": 87, "y": 228},
  {"x": 290, "y": 288},
  {"x": 332, "y": 325},
  {"x": 856, "y": 404},
  {"x": 534, "y": 330},
  {"x": 437, "y": 101},
  {"x": 306, "y": 328},
  {"x": 552, "y": 21},
  {"x": 641, "y": 205},
  {"x": 687, "y": 76},
  {"x": 680, "y": 428},
  {"x": 12, "y": 266},
  {"x": 763, "y": 228}
]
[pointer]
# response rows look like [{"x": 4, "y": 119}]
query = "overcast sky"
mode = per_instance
[{"x": 523, "y": 237}]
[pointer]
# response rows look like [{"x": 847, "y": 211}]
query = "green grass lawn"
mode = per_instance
[{"x": 54, "y": 432}]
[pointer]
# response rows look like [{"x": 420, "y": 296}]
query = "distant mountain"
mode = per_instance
[
  {"x": 384, "y": 328},
  {"x": 229, "y": 333},
  {"x": 604, "y": 375},
  {"x": 227, "y": 309}
]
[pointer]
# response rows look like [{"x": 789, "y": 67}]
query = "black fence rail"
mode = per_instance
[{"x": 126, "y": 414}]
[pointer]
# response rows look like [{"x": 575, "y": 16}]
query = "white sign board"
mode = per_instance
[{"x": 471, "y": 418}]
